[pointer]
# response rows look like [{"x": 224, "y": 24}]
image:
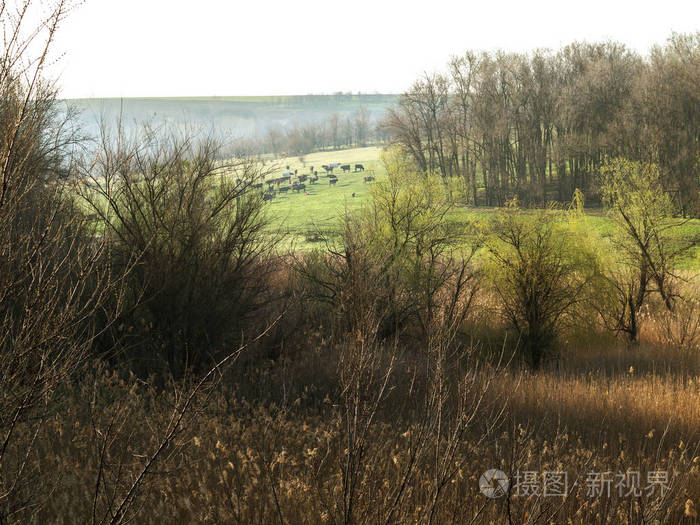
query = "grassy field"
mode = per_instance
[
  {"x": 320, "y": 208},
  {"x": 322, "y": 204}
]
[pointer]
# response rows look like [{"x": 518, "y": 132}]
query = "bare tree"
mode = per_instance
[{"x": 57, "y": 292}]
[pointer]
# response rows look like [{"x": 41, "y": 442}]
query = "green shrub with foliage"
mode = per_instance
[
  {"x": 398, "y": 257},
  {"x": 645, "y": 247},
  {"x": 540, "y": 271}
]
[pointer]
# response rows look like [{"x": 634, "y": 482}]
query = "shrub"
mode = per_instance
[
  {"x": 53, "y": 283},
  {"x": 397, "y": 258},
  {"x": 196, "y": 227},
  {"x": 539, "y": 271},
  {"x": 645, "y": 246}
]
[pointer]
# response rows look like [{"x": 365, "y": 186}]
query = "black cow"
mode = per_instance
[
  {"x": 299, "y": 187},
  {"x": 359, "y": 167},
  {"x": 268, "y": 196},
  {"x": 258, "y": 186},
  {"x": 302, "y": 178},
  {"x": 368, "y": 179},
  {"x": 345, "y": 167},
  {"x": 284, "y": 189},
  {"x": 332, "y": 181}
]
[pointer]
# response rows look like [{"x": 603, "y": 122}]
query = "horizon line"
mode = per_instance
[{"x": 209, "y": 97}]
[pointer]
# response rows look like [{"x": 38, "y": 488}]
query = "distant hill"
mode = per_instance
[{"x": 230, "y": 116}]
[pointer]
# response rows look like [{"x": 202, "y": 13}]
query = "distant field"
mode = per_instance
[
  {"x": 319, "y": 209},
  {"x": 297, "y": 214},
  {"x": 227, "y": 116}
]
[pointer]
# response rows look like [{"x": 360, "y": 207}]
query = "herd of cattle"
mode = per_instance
[{"x": 284, "y": 183}]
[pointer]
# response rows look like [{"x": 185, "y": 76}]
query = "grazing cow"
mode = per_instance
[
  {"x": 332, "y": 181},
  {"x": 359, "y": 167},
  {"x": 299, "y": 187},
  {"x": 302, "y": 178},
  {"x": 268, "y": 196},
  {"x": 284, "y": 189},
  {"x": 368, "y": 179},
  {"x": 258, "y": 186},
  {"x": 345, "y": 167}
]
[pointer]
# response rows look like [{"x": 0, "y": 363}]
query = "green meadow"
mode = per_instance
[{"x": 321, "y": 206}]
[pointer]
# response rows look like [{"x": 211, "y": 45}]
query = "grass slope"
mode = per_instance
[{"x": 322, "y": 204}]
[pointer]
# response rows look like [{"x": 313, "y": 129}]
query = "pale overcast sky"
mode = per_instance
[{"x": 126, "y": 48}]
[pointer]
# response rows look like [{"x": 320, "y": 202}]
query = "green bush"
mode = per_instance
[
  {"x": 540, "y": 271},
  {"x": 397, "y": 260}
]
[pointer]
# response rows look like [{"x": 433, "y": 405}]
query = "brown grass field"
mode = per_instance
[{"x": 283, "y": 446}]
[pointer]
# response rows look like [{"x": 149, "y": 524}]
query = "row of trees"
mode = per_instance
[
  {"x": 354, "y": 130},
  {"x": 539, "y": 125}
]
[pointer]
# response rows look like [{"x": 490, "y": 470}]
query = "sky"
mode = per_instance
[{"x": 170, "y": 48}]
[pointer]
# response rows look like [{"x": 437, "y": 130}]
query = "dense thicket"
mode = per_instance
[
  {"x": 540, "y": 125},
  {"x": 195, "y": 233}
]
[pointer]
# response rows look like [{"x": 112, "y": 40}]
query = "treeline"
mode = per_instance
[
  {"x": 354, "y": 130},
  {"x": 539, "y": 125}
]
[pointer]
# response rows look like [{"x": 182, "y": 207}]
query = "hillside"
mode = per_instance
[{"x": 229, "y": 116}]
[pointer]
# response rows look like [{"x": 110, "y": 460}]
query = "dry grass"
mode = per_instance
[{"x": 271, "y": 450}]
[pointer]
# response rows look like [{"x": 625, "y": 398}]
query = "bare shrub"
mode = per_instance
[
  {"x": 678, "y": 329},
  {"x": 197, "y": 227},
  {"x": 54, "y": 280}
]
